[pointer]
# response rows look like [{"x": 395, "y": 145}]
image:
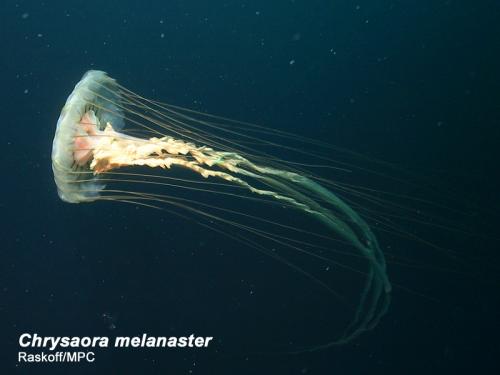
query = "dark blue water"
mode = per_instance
[{"x": 414, "y": 83}]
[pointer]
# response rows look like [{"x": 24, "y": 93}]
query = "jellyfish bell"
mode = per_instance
[
  {"x": 104, "y": 127},
  {"x": 93, "y": 103}
]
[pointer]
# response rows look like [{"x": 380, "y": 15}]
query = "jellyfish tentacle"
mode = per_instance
[
  {"x": 375, "y": 298},
  {"x": 115, "y": 150}
]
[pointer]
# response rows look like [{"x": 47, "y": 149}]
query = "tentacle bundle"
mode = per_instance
[
  {"x": 88, "y": 145},
  {"x": 115, "y": 150}
]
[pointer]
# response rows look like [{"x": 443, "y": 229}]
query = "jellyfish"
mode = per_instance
[{"x": 107, "y": 134}]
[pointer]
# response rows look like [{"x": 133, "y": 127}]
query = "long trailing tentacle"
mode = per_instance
[{"x": 115, "y": 150}]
